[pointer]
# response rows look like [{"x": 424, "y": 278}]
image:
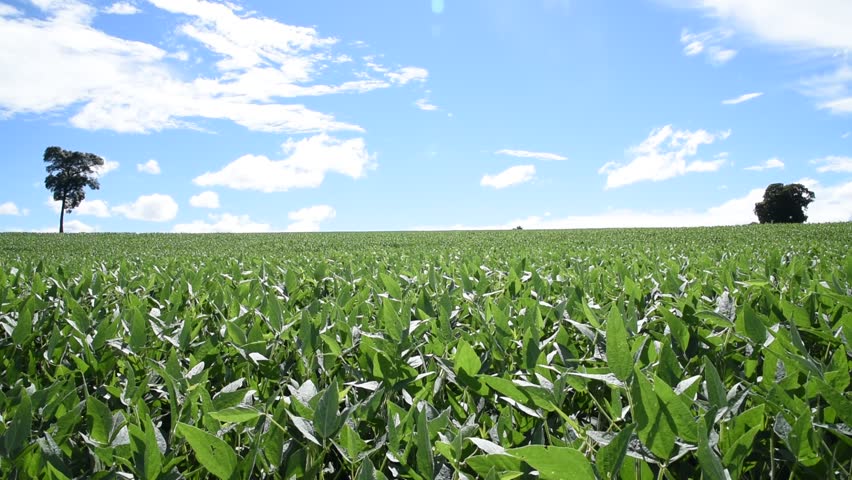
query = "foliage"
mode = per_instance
[
  {"x": 671, "y": 353},
  {"x": 68, "y": 174},
  {"x": 784, "y": 203}
]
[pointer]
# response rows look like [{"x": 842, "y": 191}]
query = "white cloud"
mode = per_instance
[
  {"x": 70, "y": 226},
  {"x": 818, "y": 24},
  {"x": 9, "y": 208},
  {"x": 767, "y": 165},
  {"x": 832, "y": 204},
  {"x": 224, "y": 223},
  {"x": 151, "y": 166},
  {"x": 742, "y": 98},
  {"x": 137, "y": 88},
  {"x": 122, "y": 8},
  {"x": 76, "y": 226},
  {"x": 8, "y": 10},
  {"x": 832, "y": 89},
  {"x": 150, "y": 208},
  {"x": 664, "y": 155},
  {"x": 308, "y": 162},
  {"x": 709, "y": 43},
  {"x": 423, "y": 104},
  {"x": 244, "y": 40},
  {"x": 511, "y": 176},
  {"x": 206, "y": 199},
  {"x": 309, "y": 219},
  {"x": 408, "y": 74},
  {"x": 94, "y": 208},
  {"x": 833, "y": 163},
  {"x": 719, "y": 56},
  {"x": 819, "y": 27},
  {"x": 107, "y": 167},
  {"x": 528, "y": 154},
  {"x": 846, "y": 135}
]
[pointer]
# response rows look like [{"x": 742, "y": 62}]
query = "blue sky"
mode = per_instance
[{"x": 397, "y": 115}]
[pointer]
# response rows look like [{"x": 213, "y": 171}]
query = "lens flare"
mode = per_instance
[{"x": 437, "y": 6}]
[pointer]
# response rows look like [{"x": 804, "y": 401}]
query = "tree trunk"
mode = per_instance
[{"x": 62, "y": 217}]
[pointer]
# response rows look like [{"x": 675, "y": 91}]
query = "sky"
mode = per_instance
[{"x": 274, "y": 115}]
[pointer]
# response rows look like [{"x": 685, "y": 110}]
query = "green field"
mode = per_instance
[{"x": 666, "y": 353}]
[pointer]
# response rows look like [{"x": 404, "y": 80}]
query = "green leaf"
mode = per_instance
[
  {"x": 466, "y": 359},
  {"x": 326, "y": 420},
  {"x": 24, "y": 328},
  {"x": 238, "y": 414},
  {"x": 138, "y": 331},
  {"x": 836, "y": 399},
  {"x": 18, "y": 434},
  {"x": 837, "y": 375},
  {"x": 499, "y": 462},
  {"x": 709, "y": 461},
  {"x": 391, "y": 285},
  {"x": 304, "y": 427},
  {"x": 610, "y": 457},
  {"x": 391, "y": 322},
  {"x": 655, "y": 426},
  {"x": 212, "y": 452},
  {"x": 531, "y": 351},
  {"x": 352, "y": 442},
  {"x": 505, "y": 387},
  {"x": 739, "y": 450},
  {"x": 754, "y": 327},
  {"x": 617, "y": 349},
  {"x": 425, "y": 460},
  {"x": 146, "y": 452},
  {"x": 100, "y": 420},
  {"x": 683, "y": 419},
  {"x": 715, "y": 388},
  {"x": 555, "y": 462},
  {"x": 369, "y": 472}
]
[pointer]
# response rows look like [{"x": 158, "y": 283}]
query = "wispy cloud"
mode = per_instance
[
  {"x": 664, "y": 154},
  {"x": 742, "y": 98},
  {"x": 423, "y": 104},
  {"x": 820, "y": 28},
  {"x": 528, "y": 154},
  {"x": 708, "y": 43},
  {"x": 832, "y": 90},
  {"x": 408, "y": 74},
  {"x": 820, "y": 25},
  {"x": 833, "y": 163},
  {"x": 511, "y": 176},
  {"x": 122, "y": 8},
  {"x": 767, "y": 165}
]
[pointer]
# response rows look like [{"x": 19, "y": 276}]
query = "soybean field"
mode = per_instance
[{"x": 702, "y": 353}]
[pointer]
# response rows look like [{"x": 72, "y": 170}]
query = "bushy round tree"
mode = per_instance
[{"x": 784, "y": 203}]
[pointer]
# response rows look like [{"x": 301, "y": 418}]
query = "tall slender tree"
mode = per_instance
[{"x": 68, "y": 174}]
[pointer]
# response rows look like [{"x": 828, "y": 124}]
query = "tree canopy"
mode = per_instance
[
  {"x": 784, "y": 203},
  {"x": 68, "y": 174}
]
